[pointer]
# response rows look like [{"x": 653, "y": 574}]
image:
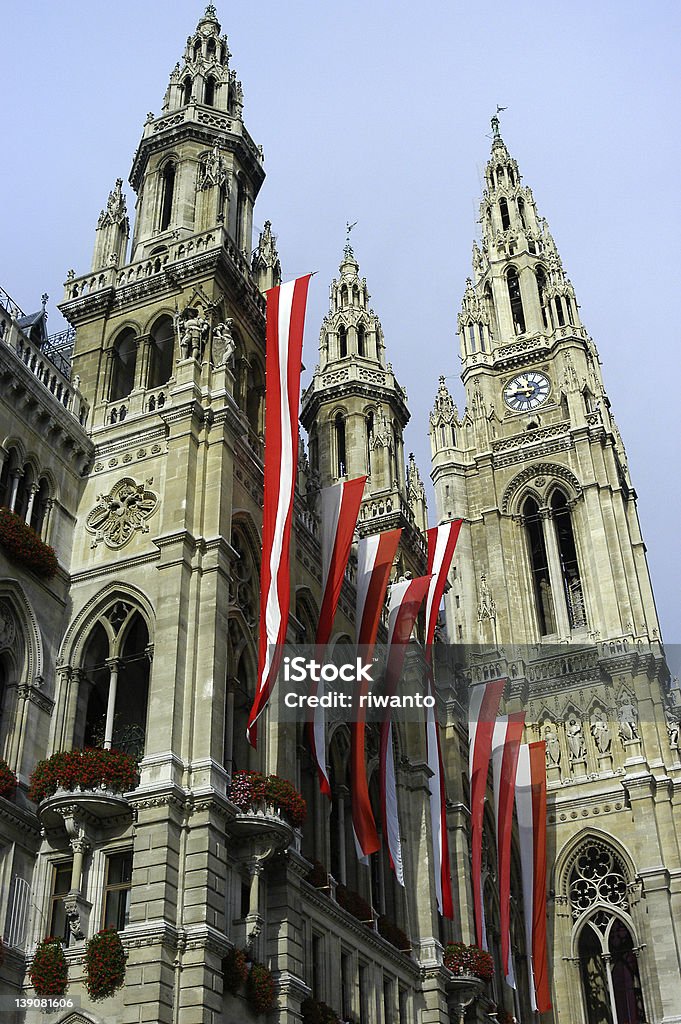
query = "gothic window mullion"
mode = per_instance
[{"x": 555, "y": 573}]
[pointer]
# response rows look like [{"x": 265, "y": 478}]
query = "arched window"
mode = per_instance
[
  {"x": 344, "y": 296},
  {"x": 370, "y": 438},
  {"x": 361, "y": 340},
  {"x": 597, "y": 892},
  {"x": 569, "y": 565},
  {"x": 39, "y": 509},
  {"x": 505, "y": 217},
  {"x": 511, "y": 176},
  {"x": 481, "y": 333},
  {"x": 568, "y": 306},
  {"x": 541, "y": 289},
  {"x": 116, "y": 665},
  {"x": 521, "y": 212},
  {"x": 491, "y": 310},
  {"x": 209, "y": 91},
  {"x": 339, "y": 430},
  {"x": 186, "y": 90},
  {"x": 541, "y": 578},
  {"x": 559, "y": 311},
  {"x": 124, "y": 358},
  {"x": 255, "y": 399},
  {"x": 471, "y": 337},
  {"x": 515, "y": 298},
  {"x": 161, "y": 352},
  {"x": 167, "y": 193},
  {"x": 210, "y": 48},
  {"x": 23, "y": 492},
  {"x": 342, "y": 341},
  {"x": 314, "y": 449},
  {"x": 197, "y": 49}
]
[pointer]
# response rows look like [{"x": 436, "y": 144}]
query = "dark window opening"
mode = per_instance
[
  {"x": 186, "y": 91},
  {"x": 124, "y": 356},
  {"x": 61, "y": 884},
  {"x": 343, "y": 342},
  {"x": 161, "y": 352},
  {"x": 505, "y": 216},
  {"x": 361, "y": 340},
  {"x": 521, "y": 213},
  {"x": 168, "y": 189},
  {"x": 209, "y": 91},
  {"x": 516, "y": 301},
  {"x": 539, "y": 563},
  {"x": 541, "y": 288},
  {"x": 559, "y": 311},
  {"x": 572, "y": 583},
  {"x": 340, "y": 446}
]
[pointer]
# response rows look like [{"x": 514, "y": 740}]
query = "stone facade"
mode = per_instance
[{"x": 133, "y": 444}]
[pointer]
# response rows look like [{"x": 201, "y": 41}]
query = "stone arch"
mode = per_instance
[
  {"x": 307, "y": 613},
  {"x": 538, "y": 479},
  {"x": 79, "y": 629},
  {"x": 31, "y": 668},
  {"x": 567, "y": 856},
  {"x": 245, "y": 570}
]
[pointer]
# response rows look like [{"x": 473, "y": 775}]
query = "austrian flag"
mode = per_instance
[{"x": 284, "y": 351}]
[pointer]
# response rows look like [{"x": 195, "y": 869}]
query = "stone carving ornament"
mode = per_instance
[
  {"x": 575, "y": 738},
  {"x": 552, "y": 745},
  {"x": 600, "y": 730},
  {"x": 7, "y": 628},
  {"x": 224, "y": 346},
  {"x": 119, "y": 514},
  {"x": 628, "y": 717}
]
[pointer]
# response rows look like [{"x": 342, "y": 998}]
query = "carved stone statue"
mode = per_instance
[
  {"x": 600, "y": 730},
  {"x": 673, "y": 727},
  {"x": 193, "y": 333},
  {"x": 552, "y": 745},
  {"x": 628, "y": 721},
  {"x": 575, "y": 738},
  {"x": 224, "y": 346}
]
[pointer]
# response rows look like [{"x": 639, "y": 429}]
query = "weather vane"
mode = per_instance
[{"x": 348, "y": 229}]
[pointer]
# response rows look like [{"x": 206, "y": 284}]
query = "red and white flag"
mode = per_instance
[
  {"x": 375, "y": 556},
  {"x": 508, "y": 732},
  {"x": 404, "y": 604},
  {"x": 482, "y": 711},
  {"x": 284, "y": 350},
  {"x": 339, "y": 510},
  {"x": 530, "y": 802},
  {"x": 441, "y": 544}
]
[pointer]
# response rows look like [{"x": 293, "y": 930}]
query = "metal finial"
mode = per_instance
[
  {"x": 44, "y": 297},
  {"x": 348, "y": 229},
  {"x": 495, "y": 121}
]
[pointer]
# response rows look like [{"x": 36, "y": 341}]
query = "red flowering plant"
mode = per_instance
[
  {"x": 88, "y": 769},
  {"x": 504, "y": 1017},
  {"x": 23, "y": 545},
  {"x": 260, "y": 988},
  {"x": 315, "y": 1012},
  {"x": 355, "y": 904},
  {"x": 104, "y": 964},
  {"x": 49, "y": 972},
  {"x": 8, "y": 780},
  {"x": 249, "y": 788},
  {"x": 318, "y": 876},
  {"x": 462, "y": 959},
  {"x": 389, "y": 930},
  {"x": 234, "y": 970}
]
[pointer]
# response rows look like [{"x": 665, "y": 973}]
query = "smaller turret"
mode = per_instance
[
  {"x": 266, "y": 266},
  {"x": 113, "y": 228}
]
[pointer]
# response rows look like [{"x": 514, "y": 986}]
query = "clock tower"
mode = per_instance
[{"x": 550, "y": 577}]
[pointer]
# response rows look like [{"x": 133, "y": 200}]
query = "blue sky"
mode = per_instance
[{"x": 379, "y": 112}]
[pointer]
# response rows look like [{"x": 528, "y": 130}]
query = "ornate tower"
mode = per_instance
[
  {"x": 551, "y": 577},
  {"x": 355, "y": 412}
]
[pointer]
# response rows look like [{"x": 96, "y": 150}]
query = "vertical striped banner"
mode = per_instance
[
  {"x": 508, "y": 732},
  {"x": 339, "y": 510},
  {"x": 441, "y": 544},
  {"x": 284, "y": 350},
  {"x": 375, "y": 556},
  {"x": 482, "y": 712}
]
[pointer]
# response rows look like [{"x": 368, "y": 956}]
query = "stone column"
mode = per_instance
[
  {"x": 112, "y": 664},
  {"x": 555, "y": 574}
]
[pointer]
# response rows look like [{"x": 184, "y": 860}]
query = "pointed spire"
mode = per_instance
[
  {"x": 266, "y": 265},
  {"x": 113, "y": 228}
]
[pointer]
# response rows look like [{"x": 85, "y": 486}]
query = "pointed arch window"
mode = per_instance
[
  {"x": 40, "y": 501},
  {"x": 186, "y": 91},
  {"x": 339, "y": 430},
  {"x": 161, "y": 352},
  {"x": 521, "y": 212},
  {"x": 569, "y": 564},
  {"x": 370, "y": 438},
  {"x": 210, "y": 49},
  {"x": 491, "y": 311},
  {"x": 124, "y": 360},
  {"x": 481, "y": 333},
  {"x": 568, "y": 306},
  {"x": 539, "y": 563},
  {"x": 556, "y": 578},
  {"x": 559, "y": 311},
  {"x": 197, "y": 49},
  {"x": 471, "y": 337},
  {"x": 541, "y": 289},
  {"x": 515, "y": 297},
  {"x": 167, "y": 194},
  {"x": 505, "y": 216},
  {"x": 342, "y": 341},
  {"x": 361, "y": 340},
  {"x": 209, "y": 92}
]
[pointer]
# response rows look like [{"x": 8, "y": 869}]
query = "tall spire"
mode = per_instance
[{"x": 519, "y": 287}]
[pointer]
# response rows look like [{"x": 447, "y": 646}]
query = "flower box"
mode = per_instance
[
  {"x": 468, "y": 960},
  {"x": 85, "y": 770},
  {"x": 104, "y": 964},
  {"x": 389, "y": 930},
  {"x": 355, "y": 904},
  {"x": 253, "y": 790},
  {"x": 49, "y": 972},
  {"x": 22, "y": 545},
  {"x": 8, "y": 780}
]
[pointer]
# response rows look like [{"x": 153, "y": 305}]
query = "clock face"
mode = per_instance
[{"x": 527, "y": 391}]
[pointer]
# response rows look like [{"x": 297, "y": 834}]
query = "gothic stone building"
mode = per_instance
[{"x": 133, "y": 443}]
